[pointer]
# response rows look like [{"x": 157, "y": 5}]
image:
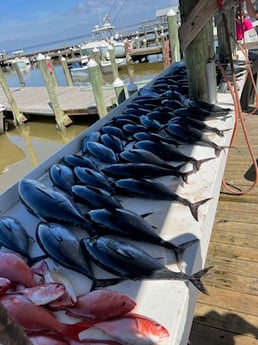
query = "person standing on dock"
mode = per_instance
[{"x": 243, "y": 24}]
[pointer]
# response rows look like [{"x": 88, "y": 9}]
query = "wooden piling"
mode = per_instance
[
  {"x": 51, "y": 70},
  {"x": 119, "y": 90},
  {"x": 59, "y": 114},
  {"x": 19, "y": 118},
  {"x": 173, "y": 36},
  {"x": 113, "y": 62},
  {"x": 96, "y": 82},
  {"x": 67, "y": 73},
  {"x": 19, "y": 73}
]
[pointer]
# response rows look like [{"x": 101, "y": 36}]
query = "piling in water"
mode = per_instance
[{"x": 96, "y": 82}]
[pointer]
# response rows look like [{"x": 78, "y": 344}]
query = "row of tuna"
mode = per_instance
[{"x": 82, "y": 221}]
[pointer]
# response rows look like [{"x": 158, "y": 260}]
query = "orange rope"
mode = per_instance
[{"x": 239, "y": 117}]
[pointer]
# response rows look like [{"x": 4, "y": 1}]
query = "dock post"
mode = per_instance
[
  {"x": 96, "y": 82},
  {"x": 17, "y": 115},
  {"x": 19, "y": 73},
  {"x": 61, "y": 120},
  {"x": 51, "y": 70},
  {"x": 67, "y": 73},
  {"x": 113, "y": 62},
  {"x": 173, "y": 36},
  {"x": 163, "y": 44},
  {"x": 119, "y": 90},
  {"x": 156, "y": 35},
  {"x": 137, "y": 41},
  {"x": 96, "y": 55}
]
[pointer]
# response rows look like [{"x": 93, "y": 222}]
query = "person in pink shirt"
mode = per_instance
[{"x": 242, "y": 24}]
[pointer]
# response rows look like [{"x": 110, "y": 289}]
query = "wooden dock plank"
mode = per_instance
[
  {"x": 35, "y": 100},
  {"x": 229, "y": 315}
]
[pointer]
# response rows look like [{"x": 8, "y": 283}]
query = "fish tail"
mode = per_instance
[
  {"x": 195, "y": 206},
  {"x": 199, "y": 162},
  {"x": 180, "y": 250},
  {"x": 195, "y": 279},
  {"x": 218, "y": 149},
  {"x": 73, "y": 330}
]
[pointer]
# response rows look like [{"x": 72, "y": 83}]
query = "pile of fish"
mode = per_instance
[{"x": 83, "y": 224}]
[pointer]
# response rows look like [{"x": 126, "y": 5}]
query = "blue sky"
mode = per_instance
[{"x": 26, "y": 23}]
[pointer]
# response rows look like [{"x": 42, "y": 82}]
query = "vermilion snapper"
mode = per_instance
[
  {"x": 134, "y": 329},
  {"x": 35, "y": 318},
  {"x": 14, "y": 268},
  {"x": 102, "y": 305},
  {"x": 43, "y": 293}
]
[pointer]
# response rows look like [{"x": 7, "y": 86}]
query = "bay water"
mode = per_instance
[{"x": 24, "y": 147}]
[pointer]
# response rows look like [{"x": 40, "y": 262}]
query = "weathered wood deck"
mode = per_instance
[
  {"x": 229, "y": 315},
  {"x": 72, "y": 100}
]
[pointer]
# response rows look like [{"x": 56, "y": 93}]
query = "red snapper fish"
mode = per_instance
[
  {"x": 134, "y": 329},
  {"x": 15, "y": 269},
  {"x": 102, "y": 305},
  {"x": 43, "y": 293},
  {"x": 48, "y": 340},
  {"x": 69, "y": 298},
  {"x": 36, "y": 318},
  {"x": 5, "y": 284}
]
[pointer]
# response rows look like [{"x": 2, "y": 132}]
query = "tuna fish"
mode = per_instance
[
  {"x": 50, "y": 205},
  {"x": 62, "y": 177},
  {"x": 130, "y": 262},
  {"x": 128, "y": 224},
  {"x": 64, "y": 248},
  {"x": 14, "y": 236}
]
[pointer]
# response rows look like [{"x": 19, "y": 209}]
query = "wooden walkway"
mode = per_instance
[
  {"x": 72, "y": 100},
  {"x": 229, "y": 315}
]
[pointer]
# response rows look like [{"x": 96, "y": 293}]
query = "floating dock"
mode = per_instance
[{"x": 72, "y": 100}]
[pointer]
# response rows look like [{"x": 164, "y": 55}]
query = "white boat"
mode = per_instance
[
  {"x": 103, "y": 37},
  {"x": 79, "y": 68},
  {"x": 19, "y": 59}
]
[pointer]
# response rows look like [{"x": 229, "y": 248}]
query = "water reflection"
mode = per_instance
[{"x": 25, "y": 147}]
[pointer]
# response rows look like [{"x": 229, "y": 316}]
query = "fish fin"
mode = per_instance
[
  {"x": 195, "y": 205},
  {"x": 218, "y": 149},
  {"x": 144, "y": 215},
  {"x": 195, "y": 279},
  {"x": 180, "y": 250},
  {"x": 73, "y": 330},
  {"x": 101, "y": 283},
  {"x": 198, "y": 163},
  {"x": 33, "y": 260}
]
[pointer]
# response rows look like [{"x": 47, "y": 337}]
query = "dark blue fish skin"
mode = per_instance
[
  {"x": 95, "y": 197},
  {"x": 190, "y": 135},
  {"x": 144, "y": 156},
  {"x": 146, "y": 170},
  {"x": 79, "y": 161},
  {"x": 168, "y": 152},
  {"x": 49, "y": 205},
  {"x": 130, "y": 129},
  {"x": 112, "y": 142},
  {"x": 130, "y": 262},
  {"x": 112, "y": 130},
  {"x": 156, "y": 190},
  {"x": 14, "y": 236},
  {"x": 128, "y": 224},
  {"x": 91, "y": 177},
  {"x": 101, "y": 152},
  {"x": 150, "y": 124},
  {"x": 141, "y": 136},
  {"x": 62, "y": 177},
  {"x": 63, "y": 247},
  {"x": 92, "y": 136}
]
